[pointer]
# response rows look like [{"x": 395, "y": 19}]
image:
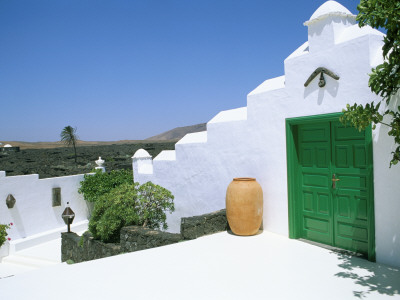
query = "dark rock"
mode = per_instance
[
  {"x": 194, "y": 227},
  {"x": 135, "y": 238}
]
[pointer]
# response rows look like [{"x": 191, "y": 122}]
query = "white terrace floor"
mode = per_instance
[{"x": 219, "y": 266}]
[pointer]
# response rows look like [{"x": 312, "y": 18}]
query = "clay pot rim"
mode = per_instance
[{"x": 244, "y": 179}]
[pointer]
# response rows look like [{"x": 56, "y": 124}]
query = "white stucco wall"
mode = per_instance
[
  {"x": 251, "y": 141},
  {"x": 33, "y": 213},
  {"x": 387, "y": 196}
]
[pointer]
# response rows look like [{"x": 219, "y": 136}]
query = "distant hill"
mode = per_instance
[
  {"x": 51, "y": 145},
  {"x": 168, "y": 136},
  {"x": 178, "y": 133}
]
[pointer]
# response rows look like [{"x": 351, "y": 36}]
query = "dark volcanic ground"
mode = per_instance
[{"x": 60, "y": 161}]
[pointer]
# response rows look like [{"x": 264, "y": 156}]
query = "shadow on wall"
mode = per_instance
[
  {"x": 18, "y": 223},
  {"x": 90, "y": 208},
  {"x": 387, "y": 224},
  {"x": 57, "y": 212},
  {"x": 377, "y": 278},
  {"x": 381, "y": 132},
  {"x": 317, "y": 30},
  {"x": 331, "y": 87}
]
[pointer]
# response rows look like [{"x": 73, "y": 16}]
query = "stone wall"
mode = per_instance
[
  {"x": 135, "y": 238},
  {"x": 197, "y": 226},
  {"x": 85, "y": 247}
]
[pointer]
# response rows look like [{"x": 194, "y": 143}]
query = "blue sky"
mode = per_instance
[{"x": 133, "y": 69}]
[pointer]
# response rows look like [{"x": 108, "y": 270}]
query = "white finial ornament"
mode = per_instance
[{"x": 100, "y": 163}]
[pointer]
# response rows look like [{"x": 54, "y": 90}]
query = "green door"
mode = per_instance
[
  {"x": 315, "y": 194},
  {"x": 332, "y": 198}
]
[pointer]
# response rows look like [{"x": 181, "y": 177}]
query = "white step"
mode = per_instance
[
  {"x": 231, "y": 115},
  {"x": 33, "y": 258},
  {"x": 44, "y": 237},
  {"x": 8, "y": 270},
  {"x": 166, "y": 155},
  {"x": 193, "y": 138},
  {"x": 28, "y": 261}
]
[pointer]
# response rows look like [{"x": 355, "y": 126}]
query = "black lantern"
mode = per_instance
[
  {"x": 68, "y": 216},
  {"x": 10, "y": 201}
]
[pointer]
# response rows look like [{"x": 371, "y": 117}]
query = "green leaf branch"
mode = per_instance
[{"x": 384, "y": 79}]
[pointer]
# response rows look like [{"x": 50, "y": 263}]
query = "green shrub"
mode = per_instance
[
  {"x": 153, "y": 201},
  {"x": 95, "y": 185},
  {"x": 3, "y": 233},
  {"x": 130, "y": 204}
]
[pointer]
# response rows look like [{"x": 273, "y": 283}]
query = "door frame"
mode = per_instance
[{"x": 292, "y": 175}]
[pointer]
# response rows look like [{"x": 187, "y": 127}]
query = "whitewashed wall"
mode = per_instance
[
  {"x": 33, "y": 214},
  {"x": 387, "y": 196},
  {"x": 251, "y": 141}
]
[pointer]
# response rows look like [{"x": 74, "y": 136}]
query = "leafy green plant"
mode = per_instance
[
  {"x": 3, "y": 233},
  {"x": 153, "y": 200},
  {"x": 127, "y": 205},
  {"x": 385, "y": 78},
  {"x": 95, "y": 185}
]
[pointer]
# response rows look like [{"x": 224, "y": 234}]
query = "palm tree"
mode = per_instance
[{"x": 69, "y": 137}]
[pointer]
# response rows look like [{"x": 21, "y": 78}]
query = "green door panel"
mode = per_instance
[
  {"x": 314, "y": 161},
  {"x": 336, "y": 213},
  {"x": 351, "y": 194}
]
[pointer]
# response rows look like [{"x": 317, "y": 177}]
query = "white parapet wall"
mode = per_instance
[
  {"x": 34, "y": 217},
  {"x": 251, "y": 141}
]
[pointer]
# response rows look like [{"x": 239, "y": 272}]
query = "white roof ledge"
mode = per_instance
[
  {"x": 166, "y": 155},
  {"x": 269, "y": 85},
  {"x": 353, "y": 32},
  {"x": 303, "y": 49},
  {"x": 232, "y": 115},
  {"x": 194, "y": 138}
]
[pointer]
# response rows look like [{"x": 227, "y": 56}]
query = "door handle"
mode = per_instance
[{"x": 334, "y": 179}]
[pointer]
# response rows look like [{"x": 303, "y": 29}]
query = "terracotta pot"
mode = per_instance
[{"x": 244, "y": 206}]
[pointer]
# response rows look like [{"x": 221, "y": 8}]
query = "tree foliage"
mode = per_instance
[
  {"x": 153, "y": 201},
  {"x": 69, "y": 137},
  {"x": 95, "y": 185},
  {"x": 130, "y": 204},
  {"x": 385, "y": 78}
]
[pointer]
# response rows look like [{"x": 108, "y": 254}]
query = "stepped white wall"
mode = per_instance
[{"x": 251, "y": 141}]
